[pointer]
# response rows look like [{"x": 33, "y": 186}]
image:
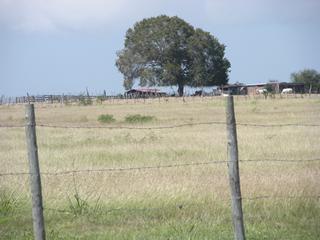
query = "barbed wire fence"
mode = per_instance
[
  {"x": 35, "y": 175},
  {"x": 144, "y": 168},
  {"x": 165, "y": 126}
]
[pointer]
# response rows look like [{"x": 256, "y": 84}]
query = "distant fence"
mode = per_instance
[
  {"x": 56, "y": 98},
  {"x": 71, "y": 98},
  {"x": 232, "y": 161},
  {"x": 86, "y": 99},
  {"x": 59, "y": 98}
]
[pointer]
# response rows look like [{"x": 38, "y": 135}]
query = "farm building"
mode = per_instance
[
  {"x": 234, "y": 89},
  {"x": 296, "y": 87},
  {"x": 252, "y": 89},
  {"x": 144, "y": 93}
]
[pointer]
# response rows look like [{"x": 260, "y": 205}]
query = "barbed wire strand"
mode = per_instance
[
  {"x": 280, "y": 197},
  {"x": 182, "y": 125},
  {"x": 12, "y": 126},
  {"x": 278, "y": 125},
  {"x": 164, "y": 127},
  {"x": 117, "y": 169},
  {"x": 66, "y": 172},
  {"x": 281, "y": 160},
  {"x": 135, "y": 128}
]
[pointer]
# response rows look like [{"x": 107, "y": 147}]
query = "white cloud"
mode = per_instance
[
  {"x": 82, "y": 13},
  {"x": 48, "y": 15},
  {"x": 54, "y": 15}
]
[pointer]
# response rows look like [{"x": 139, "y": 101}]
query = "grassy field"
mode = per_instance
[{"x": 189, "y": 202}]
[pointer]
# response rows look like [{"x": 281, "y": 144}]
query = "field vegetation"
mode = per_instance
[
  {"x": 188, "y": 202},
  {"x": 106, "y": 118}
]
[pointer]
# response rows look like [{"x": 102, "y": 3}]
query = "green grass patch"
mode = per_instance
[
  {"x": 106, "y": 118},
  {"x": 172, "y": 219},
  {"x": 8, "y": 203},
  {"x": 138, "y": 118}
]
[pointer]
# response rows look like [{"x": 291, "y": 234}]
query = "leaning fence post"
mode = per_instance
[
  {"x": 233, "y": 166},
  {"x": 35, "y": 181}
]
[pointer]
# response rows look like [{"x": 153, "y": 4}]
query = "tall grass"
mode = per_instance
[
  {"x": 170, "y": 203},
  {"x": 138, "y": 118},
  {"x": 8, "y": 203},
  {"x": 106, "y": 118}
]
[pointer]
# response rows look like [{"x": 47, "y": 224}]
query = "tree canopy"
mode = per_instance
[
  {"x": 167, "y": 51},
  {"x": 310, "y": 77}
]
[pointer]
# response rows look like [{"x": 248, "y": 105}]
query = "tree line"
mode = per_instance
[{"x": 310, "y": 77}]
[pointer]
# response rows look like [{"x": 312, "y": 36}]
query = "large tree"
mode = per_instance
[
  {"x": 310, "y": 77},
  {"x": 167, "y": 51}
]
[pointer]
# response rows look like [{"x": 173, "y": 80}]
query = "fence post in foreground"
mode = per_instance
[
  {"x": 233, "y": 166},
  {"x": 35, "y": 181}
]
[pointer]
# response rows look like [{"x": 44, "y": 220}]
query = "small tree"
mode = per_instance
[{"x": 310, "y": 77}]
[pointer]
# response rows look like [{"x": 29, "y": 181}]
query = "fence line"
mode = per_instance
[
  {"x": 168, "y": 126},
  {"x": 12, "y": 126},
  {"x": 137, "y": 128},
  {"x": 280, "y": 197},
  {"x": 281, "y": 160},
  {"x": 278, "y": 125},
  {"x": 159, "y": 167}
]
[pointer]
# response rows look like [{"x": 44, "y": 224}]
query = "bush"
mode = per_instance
[
  {"x": 137, "y": 118},
  {"x": 106, "y": 118}
]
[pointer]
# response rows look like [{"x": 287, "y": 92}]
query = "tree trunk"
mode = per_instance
[{"x": 180, "y": 90}]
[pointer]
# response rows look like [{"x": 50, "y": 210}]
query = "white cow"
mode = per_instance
[
  {"x": 261, "y": 91},
  {"x": 287, "y": 90}
]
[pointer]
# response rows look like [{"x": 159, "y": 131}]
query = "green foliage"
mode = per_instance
[
  {"x": 137, "y": 118},
  {"x": 168, "y": 51},
  {"x": 106, "y": 118},
  {"x": 308, "y": 76},
  {"x": 209, "y": 66}
]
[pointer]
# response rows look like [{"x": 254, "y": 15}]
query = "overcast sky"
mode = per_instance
[{"x": 64, "y": 46}]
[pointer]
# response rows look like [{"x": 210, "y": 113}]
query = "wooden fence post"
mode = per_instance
[
  {"x": 35, "y": 181},
  {"x": 62, "y": 99},
  {"x": 233, "y": 166}
]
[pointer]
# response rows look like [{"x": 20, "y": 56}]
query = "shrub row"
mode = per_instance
[{"x": 134, "y": 118}]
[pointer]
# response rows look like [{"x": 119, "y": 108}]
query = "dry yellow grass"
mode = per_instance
[
  {"x": 202, "y": 190},
  {"x": 67, "y": 149}
]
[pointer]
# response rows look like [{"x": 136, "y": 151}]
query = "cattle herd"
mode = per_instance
[{"x": 284, "y": 91}]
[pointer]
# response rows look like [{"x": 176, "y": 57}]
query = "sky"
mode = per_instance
[{"x": 66, "y": 46}]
